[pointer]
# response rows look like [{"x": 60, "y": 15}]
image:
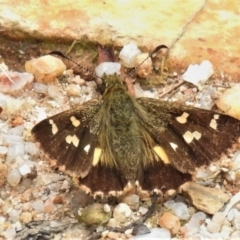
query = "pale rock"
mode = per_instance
[
  {"x": 106, "y": 208},
  {"x": 49, "y": 207},
  {"x": 214, "y": 226},
  {"x": 206, "y": 101},
  {"x": 170, "y": 222},
  {"x": 26, "y": 217},
  {"x": 26, "y": 206},
  {"x": 38, "y": 206},
  {"x": 12, "y": 105},
  {"x": 53, "y": 91},
  {"x": 132, "y": 201},
  {"x": 226, "y": 231},
  {"x": 113, "y": 223},
  {"x": 194, "y": 224},
  {"x": 15, "y": 150},
  {"x": 73, "y": 90},
  {"x": 122, "y": 212},
  {"x": 10, "y": 233},
  {"x": 16, "y": 130},
  {"x": 18, "y": 226},
  {"x": 236, "y": 220},
  {"x": 235, "y": 235},
  {"x": 14, "y": 177},
  {"x": 24, "y": 169},
  {"x": 197, "y": 74},
  {"x": 45, "y": 68},
  {"x": 3, "y": 150},
  {"x": 179, "y": 209},
  {"x": 230, "y": 215},
  {"x": 208, "y": 200},
  {"x": 78, "y": 80},
  {"x": 128, "y": 54},
  {"x": 30, "y": 148},
  {"x": 234, "y": 200},
  {"x": 105, "y": 233},
  {"x": 156, "y": 234},
  {"x": 14, "y": 215},
  {"x": 2, "y": 221},
  {"x": 114, "y": 235},
  {"x": 11, "y": 139},
  {"x": 143, "y": 210},
  {"x": 229, "y": 101},
  {"x": 108, "y": 68},
  {"x": 41, "y": 113},
  {"x": 12, "y": 82},
  {"x": 143, "y": 65},
  {"x": 40, "y": 88}
]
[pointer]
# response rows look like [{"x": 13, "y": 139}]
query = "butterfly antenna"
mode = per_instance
[
  {"x": 77, "y": 64},
  {"x": 150, "y": 56}
]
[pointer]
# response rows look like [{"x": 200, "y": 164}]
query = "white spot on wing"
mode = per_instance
[
  {"x": 183, "y": 118},
  {"x": 213, "y": 124},
  {"x": 188, "y": 136},
  {"x": 161, "y": 153},
  {"x": 72, "y": 139},
  {"x": 174, "y": 146},
  {"x": 86, "y": 148},
  {"x": 75, "y": 121},
  {"x": 96, "y": 156},
  {"x": 54, "y": 127},
  {"x": 197, "y": 135}
]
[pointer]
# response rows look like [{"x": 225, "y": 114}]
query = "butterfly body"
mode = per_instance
[{"x": 108, "y": 143}]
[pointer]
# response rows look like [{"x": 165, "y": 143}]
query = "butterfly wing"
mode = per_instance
[
  {"x": 71, "y": 138},
  {"x": 190, "y": 137}
]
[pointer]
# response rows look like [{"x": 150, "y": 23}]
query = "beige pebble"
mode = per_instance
[
  {"x": 170, "y": 222},
  {"x": 26, "y": 217}
]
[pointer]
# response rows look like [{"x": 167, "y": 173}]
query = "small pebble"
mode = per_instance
[
  {"x": 229, "y": 101},
  {"x": 26, "y": 217},
  {"x": 30, "y": 148},
  {"x": 179, "y": 209},
  {"x": 18, "y": 81},
  {"x": 40, "y": 88},
  {"x": 122, "y": 212},
  {"x": 38, "y": 206},
  {"x": 58, "y": 199},
  {"x": 45, "y": 68},
  {"x": 106, "y": 208},
  {"x": 215, "y": 224},
  {"x": 53, "y": 91},
  {"x": 170, "y": 222},
  {"x": 128, "y": 54},
  {"x": 143, "y": 64},
  {"x": 132, "y": 201},
  {"x": 73, "y": 90},
  {"x": 14, "y": 177},
  {"x": 156, "y": 234},
  {"x": 114, "y": 235},
  {"x": 24, "y": 169}
]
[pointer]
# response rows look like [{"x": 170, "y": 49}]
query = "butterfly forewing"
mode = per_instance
[
  {"x": 192, "y": 137},
  {"x": 67, "y": 137}
]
